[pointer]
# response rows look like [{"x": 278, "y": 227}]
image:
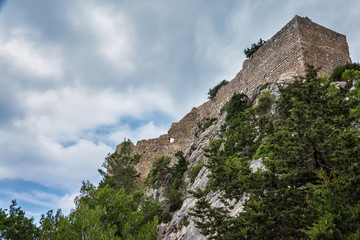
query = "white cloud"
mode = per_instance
[
  {"x": 146, "y": 131},
  {"x": 64, "y": 113},
  {"x": 23, "y": 50},
  {"x": 114, "y": 32},
  {"x": 43, "y": 200},
  {"x": 54, "y": 117},
  {"x": 217, "y": 50},
  {"x": 47, "y": 162}
]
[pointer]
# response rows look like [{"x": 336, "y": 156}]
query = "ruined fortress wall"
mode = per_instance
[
  {"x": 280, "y": 54},
  {"x": 177, "y": 139},
  {"x": 285, "y": 54},
  {"x": 322, "y": 47},
  {"x": 300, "y": 41}
]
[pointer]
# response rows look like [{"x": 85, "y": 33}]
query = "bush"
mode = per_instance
[
  {"x": 213, "y": 91},
  {"x": 186, "y": 223},
  {"x": 264, "y": 103},
  {"x": 337, "y": 73},
  {"x": 158, "y": 171},
  {"x": 174, "y": 197},
  {"x": 237, "y": 104},
  {"x": 262, "y": 87},
  {"x": 208, "y": 123},
  {"x": 254, "y": 47},
  {"x": 195, "y": 171}
]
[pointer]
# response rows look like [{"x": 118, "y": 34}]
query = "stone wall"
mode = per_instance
[
  {"x": 177, "y": 139},
  {"x": 322, "y": 47},
  {"x": 285, "y": 54},
  {"x": 282, "y": 57}
]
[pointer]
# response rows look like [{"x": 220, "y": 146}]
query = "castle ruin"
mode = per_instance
[{"x": 283, "y": 56}]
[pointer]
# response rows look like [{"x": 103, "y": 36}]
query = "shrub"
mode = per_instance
[
  {"x": 208, "y": 123},
  {"x": 254, "y": 47},
  {"x": 264, "y": 103},
  {"x": 213, "y": 91},
  {"x": 195, "y": 171},
  {"x": 186, "y": 223},
  {"x": 174, "y": 197},
  {"x": 158, "y": 171},
  {"x": 337, "y": 73},
  {"x": 237, "y": 104},
  {"x": 262, "y": 87}
]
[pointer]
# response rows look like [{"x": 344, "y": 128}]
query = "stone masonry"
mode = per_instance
[{"x": 283, "y": 56}]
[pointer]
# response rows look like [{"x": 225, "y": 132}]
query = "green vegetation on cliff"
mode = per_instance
[
  {"x": 309, "y": 184},
  {"x": 161, "y": 174}
]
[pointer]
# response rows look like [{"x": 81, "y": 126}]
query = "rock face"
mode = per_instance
[
  {"x": 281, "y": 58},
  {"x": 279, "y": 61}
]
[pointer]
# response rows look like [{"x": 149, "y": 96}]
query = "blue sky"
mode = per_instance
[{"x": 77, "y": 77}]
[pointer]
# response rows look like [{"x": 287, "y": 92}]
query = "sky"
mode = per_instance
[{"x": 78, "y": 77}]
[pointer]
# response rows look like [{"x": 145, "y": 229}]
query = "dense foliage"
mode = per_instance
[
  {"x": 120, "y": 169},
  {"x": 194, "y": 171},
  {"x": 161, "y": 174},
  {"x": 254, "y": 47},
  {"x": 208, "y": 124},
  {"x": 117, "y": 209},
  {"x": 15, "y": 225},
  {"x": 213, "y": 91},
  {"x": 309, "y": 184}
]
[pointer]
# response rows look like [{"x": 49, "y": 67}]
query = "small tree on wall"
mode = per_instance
[
  {"x": 254, "y": 47},
  {"x": 213, "y": 91}
]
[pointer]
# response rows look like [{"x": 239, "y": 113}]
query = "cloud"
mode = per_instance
[
  {"x": 47, "y": 162},
  {"x": 146, "y": 131},
  {"x": 24, "y": 51},
  {"x": 40, "y": 201},
  {"x": 10, "y": 106},
  {"x": 114, "y": 33},
  {"x": 63, "y": 114},
  {"x": 57, "y": 143}
]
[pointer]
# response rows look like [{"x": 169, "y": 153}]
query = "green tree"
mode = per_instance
[
  {"x": 105, "y": 213},
  {"x": 120, "y": 169},
  {"x": 14, "y": 225},
  {"x": 49, "y": 224},
  {"x": 337, "y": 73},
  {"x": 158, "y": 171}
]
